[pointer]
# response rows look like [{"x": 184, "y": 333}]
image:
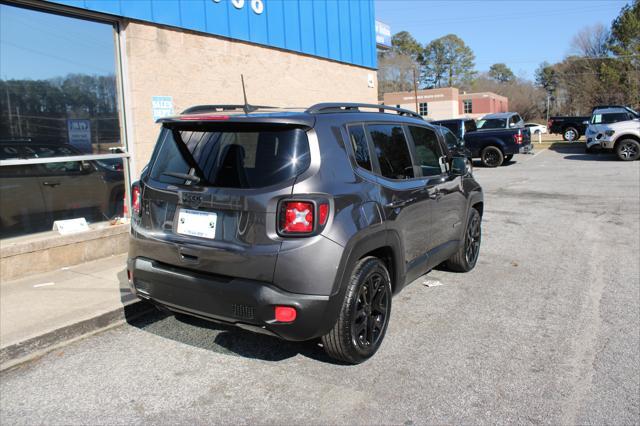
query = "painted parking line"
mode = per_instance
[{"x": 43, "y": 284}]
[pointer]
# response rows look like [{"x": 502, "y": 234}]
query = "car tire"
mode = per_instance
[
  {"x": 466, "y": 257},
  {"x": 570, "y": 134},
  {"x": 491, "y": 156},
  {"x": 628, "y": 150},
  {"x": 364, "y": 316},
  {"x": 508, "y": 157}
]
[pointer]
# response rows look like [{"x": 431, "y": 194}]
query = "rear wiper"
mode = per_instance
[{"x": 192, "y": 178}]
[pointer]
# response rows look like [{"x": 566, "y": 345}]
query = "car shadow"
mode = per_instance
[
  {"x": 576, "y": 151},
  {"x": 213, "y": 336},
  {"x": 225, "y": 339}
]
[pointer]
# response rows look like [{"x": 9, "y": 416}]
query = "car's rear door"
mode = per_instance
[
  {"x": 403, "y": 193},
  {"x": 223, "y": 220}
]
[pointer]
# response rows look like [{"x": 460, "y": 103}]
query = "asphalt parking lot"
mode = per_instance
[{"x": 546, "y": 329}]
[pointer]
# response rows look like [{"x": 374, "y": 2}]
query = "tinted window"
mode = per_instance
[
  {"x": 360, "y": 146},
  {"x": 231, "y": 159},
  {"x": 453, "y": 126},
  {"x": 614, "y": 117},
  {"x": 470, "y": 126},
  {"x": 428, "y": 150},
  {"x": 392, "y": 151},
  {"x": 450, "y": 139}
]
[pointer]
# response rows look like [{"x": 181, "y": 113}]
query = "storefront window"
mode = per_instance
[{"x": 58, "y": 98}]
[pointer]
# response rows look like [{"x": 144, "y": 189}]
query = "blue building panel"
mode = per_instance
[
  {"x": 341, "y": 30},
  {"x": 320, "y": 28},
  {"x": 275, "y": 24}
]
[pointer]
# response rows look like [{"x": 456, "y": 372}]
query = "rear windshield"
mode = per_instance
[
  {"x": 230, "y": 159},
  {"x": 492, "y": 123}
]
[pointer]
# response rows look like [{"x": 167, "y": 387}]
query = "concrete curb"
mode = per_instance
[{"x": 27, "y": 350}]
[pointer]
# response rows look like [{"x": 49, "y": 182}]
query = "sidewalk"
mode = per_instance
[{"x": 42, "y": 311}]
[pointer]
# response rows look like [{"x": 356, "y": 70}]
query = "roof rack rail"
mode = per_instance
[
  {"x": 329, "y": 107},
  {"x": 216, "y": 108}
]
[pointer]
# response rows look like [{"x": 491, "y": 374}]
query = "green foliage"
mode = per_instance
[
  {"x": 501, "y": 73},
  {"x": 39, "y": 109},
  {"x": 546, "y": 78},
  {"x": 625, "y": 33},
  {"x": 404, "y": 43},
  {"x": 447, "y": 61}
]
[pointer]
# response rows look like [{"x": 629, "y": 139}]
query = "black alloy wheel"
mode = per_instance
[
  {"x": 491, "y": 156},
  {"x": 371, "y": 312},
  {"x": 364, "y": 315},
  {"x": 472, "y": 240}
]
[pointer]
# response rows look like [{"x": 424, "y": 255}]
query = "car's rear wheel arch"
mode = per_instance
[{"x": 386, "y": 255}]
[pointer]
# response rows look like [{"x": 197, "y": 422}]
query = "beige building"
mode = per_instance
[
  {"x": 448, "y": 102},
  {"x": 77, "y": 129}
]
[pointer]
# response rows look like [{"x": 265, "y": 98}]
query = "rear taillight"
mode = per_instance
[
  {"x": 517, "y": 138},
  {"x": 136, "y": 201},
  {"x": 296, "y": 217},
  {"x": 302, "y": 217},
  {"x": 549, "y": 124}
]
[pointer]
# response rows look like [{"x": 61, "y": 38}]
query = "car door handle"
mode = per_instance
[
  {"x": 51, "y": 184},
  {"x": 399, "y": 203},
  {"x": 435, "y": 195}
]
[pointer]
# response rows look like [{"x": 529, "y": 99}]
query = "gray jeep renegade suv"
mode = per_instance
[{"x": 299, "y": 223}]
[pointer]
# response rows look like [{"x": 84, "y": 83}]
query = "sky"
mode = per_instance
[
  {"x": 40, "y": 45},
  {"x": 520, "y": 33}
]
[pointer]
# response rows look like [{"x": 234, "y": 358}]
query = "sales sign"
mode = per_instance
[
  {"x": 79, "y": 132},
  {"x": 162, "y": 106}
]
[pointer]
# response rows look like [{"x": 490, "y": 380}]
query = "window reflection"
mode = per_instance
[{"x": 58, "y": 98}]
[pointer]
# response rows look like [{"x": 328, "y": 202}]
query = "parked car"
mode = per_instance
[
  {"x": 615, "y": 129},
  {"x": 502, "y": 136},
  {"x": 299, "y": 223},
  {"x": 571, "y": 128},
  {"x": 536, "y": 128},
  {"x": 35, "y": 195}
]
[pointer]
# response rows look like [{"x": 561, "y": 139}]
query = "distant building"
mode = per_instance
[{"x": 448, "y": 102}]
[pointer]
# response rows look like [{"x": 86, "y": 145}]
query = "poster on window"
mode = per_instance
[{"x": 80, "y": 134}]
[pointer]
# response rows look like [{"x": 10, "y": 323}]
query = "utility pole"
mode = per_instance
[
  {"x": 415, "y": 89},
  {"x": 548, "y": 108}
]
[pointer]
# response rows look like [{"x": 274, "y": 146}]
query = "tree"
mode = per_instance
[
  {"x": 591, "y": 42},
  {"x": 501, "y": 73},
  {"x": 625, "y": 32},
  {"x": 523, "y": 94},
  {"x": 395, "y": 72},
  {"x": 447, "y": 61},
  {"x": 404, "y": 43},
  {"x": 624, "y": 42},
  {"x": 547, "y": 78}
]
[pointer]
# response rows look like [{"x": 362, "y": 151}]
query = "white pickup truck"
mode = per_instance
[{"x": 615, "y": 129}]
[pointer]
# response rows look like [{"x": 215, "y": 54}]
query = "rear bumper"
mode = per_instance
[
  {"x": 525, "y": 149},
  {"x": 246, "y": 303}
]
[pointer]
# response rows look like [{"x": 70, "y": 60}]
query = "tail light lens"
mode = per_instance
[
  {"x": 136, "y": 201},
  {"x": 296, "y": 217},
  {"x": 517, "y": 138},
  {"x": 302, "y": 217},
  {"x": 549, "y": 124}
]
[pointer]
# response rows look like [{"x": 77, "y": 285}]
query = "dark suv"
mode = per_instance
[{"x": 299, "y": 223}]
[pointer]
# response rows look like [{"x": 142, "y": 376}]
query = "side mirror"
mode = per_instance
[
  {"x": 459, "y": 166},
  {"x": 86, "y": 166},
  {"x": 586, "y": 123}
]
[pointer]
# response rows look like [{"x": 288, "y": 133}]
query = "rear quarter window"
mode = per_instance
[{"x": 231, "y": 159}]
